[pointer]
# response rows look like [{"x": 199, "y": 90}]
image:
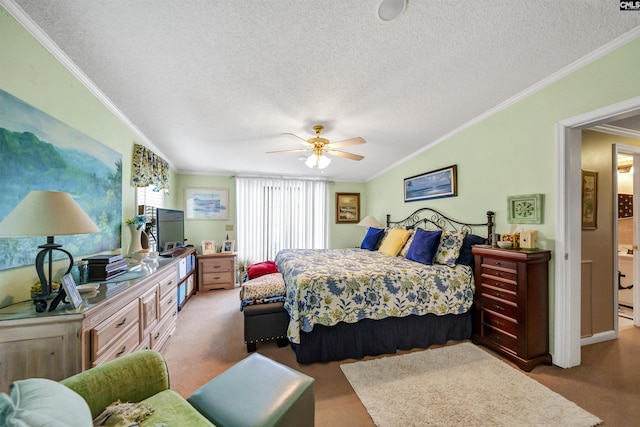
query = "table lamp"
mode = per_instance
[
  {"x": 47, "y": 213},
  {"x": 369, "y": 221}
]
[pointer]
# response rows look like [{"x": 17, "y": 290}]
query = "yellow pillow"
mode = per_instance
[{"x": 394, "y": 241}]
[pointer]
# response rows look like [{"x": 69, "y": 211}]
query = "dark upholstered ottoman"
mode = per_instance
[
  {"x": 257, "y": 392},
  {"x": 265, "y": 322}
]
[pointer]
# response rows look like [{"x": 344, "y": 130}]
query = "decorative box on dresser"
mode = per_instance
[
  {"x": 511, "y": 313},
  {"x": 121, "y": 317},
  {"x": 216, "y": 271}
]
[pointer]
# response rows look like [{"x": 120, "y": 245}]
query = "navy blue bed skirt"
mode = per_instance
[{"x": 373, "y": 337}]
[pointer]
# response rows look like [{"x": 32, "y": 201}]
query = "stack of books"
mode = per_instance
[{"x": 103, "y": 267}]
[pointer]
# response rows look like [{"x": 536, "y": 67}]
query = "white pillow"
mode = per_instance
[{"x": 38, "y": 402}]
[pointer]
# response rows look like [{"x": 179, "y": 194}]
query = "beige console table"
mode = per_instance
[{"x": 121, "y": 317}]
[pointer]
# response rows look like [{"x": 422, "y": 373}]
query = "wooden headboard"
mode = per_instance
[{"x": 441, "y": 221}]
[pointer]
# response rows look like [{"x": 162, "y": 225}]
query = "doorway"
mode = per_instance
[{"x": 567, "y": 258}]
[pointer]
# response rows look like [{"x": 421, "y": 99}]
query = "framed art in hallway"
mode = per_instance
[
  {"x": 206, "y": 203},
  {"x": 589, "y": 200},
  {"x": 347, "y": 208},
  {"x": 432, "y": 185}
]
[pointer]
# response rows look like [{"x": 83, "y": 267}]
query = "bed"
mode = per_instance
[{"x": 351, "y": 303}]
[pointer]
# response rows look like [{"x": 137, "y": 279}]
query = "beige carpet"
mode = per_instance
[{"x": 457, "y": 385}]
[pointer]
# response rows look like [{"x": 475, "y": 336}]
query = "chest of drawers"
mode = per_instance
[
  {"x": 216, "y": 271},
  {"x": 512, "y": 304}
]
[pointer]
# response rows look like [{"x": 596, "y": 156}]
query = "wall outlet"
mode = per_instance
[{"x": 228, "y": 227}]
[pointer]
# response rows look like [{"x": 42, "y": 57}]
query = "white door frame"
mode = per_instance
[{"x": 566, "y": 351}]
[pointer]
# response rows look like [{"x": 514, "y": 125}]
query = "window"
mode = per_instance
[
  {"x": 276, "y": 213},
  {"x": 147, "y": 201}
]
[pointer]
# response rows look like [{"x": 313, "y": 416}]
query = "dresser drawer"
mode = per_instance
[
  {"x": 127, "y": 344},
  {"x": 500, "y": 306},
  {"x": 168, "y": 304},
  {"x": 164, "y": 330},
  {"x": 504, "y": 324},
  {"x": 500, "y": 292},
  {"x": 502, "y": 339},
  {"x": 216, "y": 265},
  {"x": 493, "y": 274},
  {"x": 500, "y": 264},
  {"x": 221, "y": 277},
  {"x": 499, "y": 282},
  {"x": 113, "y": 328},
  {"x": 168, "y": 284}
]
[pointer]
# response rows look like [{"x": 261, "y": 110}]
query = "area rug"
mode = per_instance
[{"x": 457, "y": 385}]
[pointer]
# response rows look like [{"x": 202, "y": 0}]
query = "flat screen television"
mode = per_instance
[{"x": 169, "y": 229}]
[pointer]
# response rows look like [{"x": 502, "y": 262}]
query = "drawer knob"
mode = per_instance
[
  {"x": 499, "y": 323},
  {"x": 498, "y": 274},
  {"x": 498, "y": 307},
  {"x": 499, "y": 295},
  {"x": 122, "y": 323},
  {"x": 121, "y": 352},
  {"x": 155, "y": 337}
]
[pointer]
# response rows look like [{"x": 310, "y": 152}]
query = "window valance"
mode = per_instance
[{"x": 149, "y": 169}]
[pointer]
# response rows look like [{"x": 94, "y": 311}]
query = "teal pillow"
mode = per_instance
[
  {"x": 424, "y": 246},
  {"x": 372, "y": 238},
  {"x": 38, "y": 402}
]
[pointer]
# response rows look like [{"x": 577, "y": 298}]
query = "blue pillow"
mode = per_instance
[
  {"x": 424, "y": 246},
  {"x": 372, "y": 238},
  {"x": 466, "y": 257}
]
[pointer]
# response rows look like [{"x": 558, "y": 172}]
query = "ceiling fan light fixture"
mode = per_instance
[
  {"x": 311, "y": 161},
  {"x": 323, "y": 162},
  {"x": 389, "y": 10}
]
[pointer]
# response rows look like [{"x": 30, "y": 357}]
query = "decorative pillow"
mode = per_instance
[
  {"x": 269, "y": 285},
  {"x": 261, "y": 268},
  {"x": 38, "y": 402},
  {"x": 394, "y": 241},
  {"x": 372, "y": 238},
  {"x": 449, "y": 249},
  {"x": 424, "y": 246},
  {"x": 407, "y": 245},
  {"x": 466, "y": 257}
]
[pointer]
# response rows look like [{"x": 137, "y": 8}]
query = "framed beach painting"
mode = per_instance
[
  {"x": 207, "y": 203},
  {"x": 347, "y": 208},
  {"x": 432, "y": 185}
]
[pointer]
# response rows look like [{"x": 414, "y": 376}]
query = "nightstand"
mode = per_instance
[{"x": 216, "y": 271}]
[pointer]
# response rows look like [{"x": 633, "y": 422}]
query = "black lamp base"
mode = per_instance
[{"x": 40, "y": 299}]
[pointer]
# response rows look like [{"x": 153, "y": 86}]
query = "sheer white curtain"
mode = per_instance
[{"x": 276, "y": 213}]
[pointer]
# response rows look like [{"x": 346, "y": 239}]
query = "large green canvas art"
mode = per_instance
[{"x": 39, "y": 152}]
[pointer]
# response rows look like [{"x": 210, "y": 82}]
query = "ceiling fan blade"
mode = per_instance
[
  {"x": 297, "y": 150},
  {"x": 297, "y": 138},
  {"x": 347, "y": 142},
  {"x": 345, "y": 155}
]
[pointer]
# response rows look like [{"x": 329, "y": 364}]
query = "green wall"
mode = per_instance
[
  {"x": 513, "y": 151},
  {"x": 29, "y": 72}
]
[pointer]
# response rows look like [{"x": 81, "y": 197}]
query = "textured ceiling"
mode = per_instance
[{"x": 213, "y": 84}]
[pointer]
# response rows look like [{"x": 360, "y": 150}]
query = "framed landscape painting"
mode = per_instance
[
  {"x": 207, "y": 203},
  {"x": 347, "y": 208},
  {"x": 432, "y": 185}
]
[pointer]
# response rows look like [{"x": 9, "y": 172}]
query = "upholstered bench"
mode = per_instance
[
  {"x": 265, "y": 322},
  {"x": 257, "y": 392}
]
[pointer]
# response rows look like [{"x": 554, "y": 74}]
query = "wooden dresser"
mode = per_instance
[
  {"x": 512, "y": 304},
  {"x": 121, "y": 317},
  {"x": 216, "y": 271}
]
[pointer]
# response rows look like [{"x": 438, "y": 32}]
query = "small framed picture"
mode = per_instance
[
  {"x": 227, "y": 245},
  {"x": 69, "y": 286},
  {"x": 208, "y": 247},
  {"x": 169, "y": 245}
]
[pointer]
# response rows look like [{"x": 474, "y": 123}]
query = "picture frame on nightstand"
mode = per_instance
[
  {"x": 69, "y": 286},
  {"x": 228, "y": 246},
  {"x": 208, "y": 247}
]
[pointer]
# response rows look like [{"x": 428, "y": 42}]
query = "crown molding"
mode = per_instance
[{"x": 38, "y": 33}]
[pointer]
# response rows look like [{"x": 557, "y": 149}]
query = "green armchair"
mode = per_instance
[{"x": 139, "y": 376}]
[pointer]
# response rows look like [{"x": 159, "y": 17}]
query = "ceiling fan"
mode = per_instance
[{"x": 321, "y": 146}]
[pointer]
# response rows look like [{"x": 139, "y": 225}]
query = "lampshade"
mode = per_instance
[
  {"x": 47, "y": 213},
  {"x": 369, "y": 221},
  {"x": 322, "y": 161}
]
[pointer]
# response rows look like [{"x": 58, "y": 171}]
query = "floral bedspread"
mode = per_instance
[{"x": 328, "y": 286}]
